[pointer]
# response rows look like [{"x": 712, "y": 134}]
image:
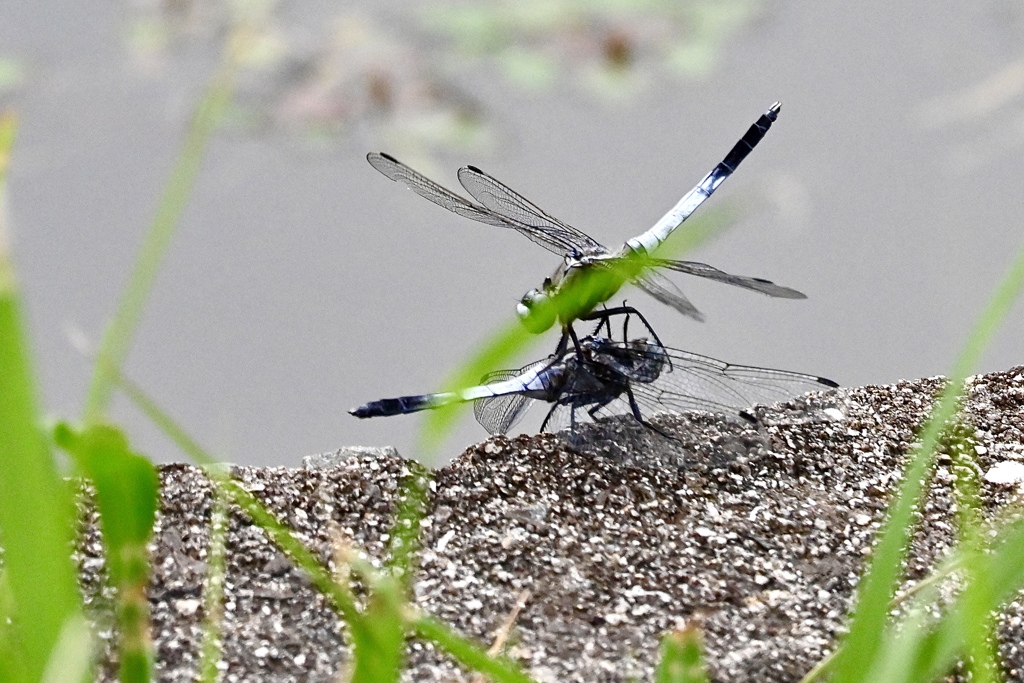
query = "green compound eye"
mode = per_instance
[{"x": 536, "y": 312}]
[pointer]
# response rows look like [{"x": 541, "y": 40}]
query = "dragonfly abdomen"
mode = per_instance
[{"x": 403, "y": 405}]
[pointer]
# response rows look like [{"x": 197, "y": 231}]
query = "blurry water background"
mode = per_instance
[{"x": 302, "y": 282}]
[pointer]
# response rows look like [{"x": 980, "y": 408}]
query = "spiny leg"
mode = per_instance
[
  {"x": 544, "y": 424},
  {"x": 605, "y": 314},
  {"x": 605, "y": 322},
  {"x": 635, "y": 408},
  {"x": 569, "y": 333}
]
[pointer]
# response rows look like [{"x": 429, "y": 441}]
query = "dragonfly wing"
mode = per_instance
[
  {"x": 697, "y": 382},
  {"x": 498, "y": 414},
  {"x": 531, "y": 220},
  {"x": 431, "y": 191},
  {"x": 710, "y": 272},
  {"x": 667, "y": 293}
]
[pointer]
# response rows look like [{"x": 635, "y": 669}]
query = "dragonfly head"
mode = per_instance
[{"x": 536, "y": 312}]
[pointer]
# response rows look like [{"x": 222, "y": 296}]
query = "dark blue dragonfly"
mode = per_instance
[
  {"x": 602, "y": 377},
  {"x": 498, "y": 205}
]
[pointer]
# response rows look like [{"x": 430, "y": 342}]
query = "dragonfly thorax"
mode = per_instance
[
  {"x": 641, "y": 360},
  {"x": 577, "y": 287}
]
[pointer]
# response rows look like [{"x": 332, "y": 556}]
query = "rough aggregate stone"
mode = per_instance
[{"x": 755, "y": 531}]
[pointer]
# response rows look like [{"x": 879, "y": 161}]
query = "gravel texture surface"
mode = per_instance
[{"x": 756, "y": 532}]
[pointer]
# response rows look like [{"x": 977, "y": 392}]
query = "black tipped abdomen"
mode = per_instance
[{"x": 394, "y": 406}]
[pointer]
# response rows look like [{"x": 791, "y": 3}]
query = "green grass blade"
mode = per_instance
[
  {"x": 468, "y": 653},
  {"x": 922, "y": 593},
  {"x": 1005, "y": 564},
  {"x": 282, "y": 536},
  {"x": 412, "y": 505},
  {"x": 922, "y": 651},
  {"x": 126, "y": 495},
  {"x": 682, "y": 658},
  {"x": 118, "y": 334},
  {"x": 383, "y": 612},
  {"x": 383, "y": 660},
  {"x": 11, "y": 666},
  {"x": 126, "y": 491},
  {"x": 379, "y": 647},
  {"x": 867, "y": 629},
  {"x": 213, "y": 593},
  {"x": 342, "y": 599},
  {"x": 902, "y": 647},
  {"x": 980, "y": 653},
  {"x": 72, "y": 656},
  {"x": 1003, "y": 568},
  {"x": 36, "y": 512},
  {"x": 909, "y": 651}
]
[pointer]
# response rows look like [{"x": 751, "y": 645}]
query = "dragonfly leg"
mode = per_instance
[
  {"x": 605, "y": 314},
  {"x": 544, "y": 424},
  {"x": 571, "y": 333},
  {"x": 563, "y": 343},
  {"x": 640, "y": 418},
  {"x": 603, "y": 321},
  {"x": 634, "y": 407}
]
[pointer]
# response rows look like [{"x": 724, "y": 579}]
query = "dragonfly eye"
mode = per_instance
[{"x": 536, "y": 312}]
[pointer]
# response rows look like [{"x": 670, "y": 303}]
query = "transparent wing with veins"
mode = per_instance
[
  {"x": 689, "y": 382},
  {"x": 546, "y": 232},
  {"x": 665, "y": 291},
  {"x": 711, "y": 273},
  {"x": 498, "y": 414},
  {"x": 508, "y": 203}
]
